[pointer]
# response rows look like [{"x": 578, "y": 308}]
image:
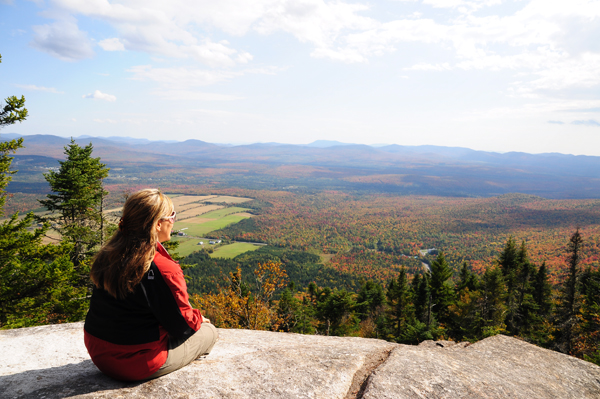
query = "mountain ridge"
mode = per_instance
[{"x": 427, "y": 170}]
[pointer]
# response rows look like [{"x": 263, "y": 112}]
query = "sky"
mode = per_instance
[{"x": 493, "y": 75}]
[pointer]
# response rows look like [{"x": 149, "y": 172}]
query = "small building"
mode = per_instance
[{"x": 201, "y": 243}]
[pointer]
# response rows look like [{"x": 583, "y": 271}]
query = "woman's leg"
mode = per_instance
[{"x": 201, "y": 343}]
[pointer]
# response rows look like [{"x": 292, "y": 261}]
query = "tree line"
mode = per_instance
[{"x": 513, "y": 297}]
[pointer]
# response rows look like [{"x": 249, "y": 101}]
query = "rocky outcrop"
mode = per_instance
[{"x": 51, "y": 362}]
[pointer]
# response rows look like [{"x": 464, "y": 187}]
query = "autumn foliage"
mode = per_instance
[{"x": 240, "y": 305}]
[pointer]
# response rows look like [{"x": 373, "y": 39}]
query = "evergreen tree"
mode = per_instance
[
  {"x": 568, "y": 303},
  {"x": 422, "y": 298},
  {"x": 492, "y": 308},
  {"x": 76, "y": 202},
  {"x": 543, "y": 291},
  {"x": 335, "y": 309},
  {"x": 525, "y": 319},
  {"x": 370, "y": 300},
  {"x": 463, "y": 312},
  {"x": 587, "y": 332},
  {"x": 442, "y": 290},
  {"x": 369, "y": 308},
  {"x": 509, "y": 261},
  {"x": 466, "y": 280},
  {"x": 400, "y": 313},
  {"x": 14, "y": 111},
  {"x": 35, "y": 279}
]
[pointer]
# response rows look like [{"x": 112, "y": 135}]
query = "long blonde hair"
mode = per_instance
[{"x": 121, "y": 263}]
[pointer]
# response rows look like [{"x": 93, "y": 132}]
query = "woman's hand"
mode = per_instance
[{"x": 205, "y": 320}]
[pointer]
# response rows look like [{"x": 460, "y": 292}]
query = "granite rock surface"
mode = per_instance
[{"x": 52, "y": 362}]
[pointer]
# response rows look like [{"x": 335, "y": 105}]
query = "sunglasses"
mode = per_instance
[{"x": 171, "y": 216}]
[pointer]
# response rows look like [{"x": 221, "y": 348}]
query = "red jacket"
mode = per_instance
[{"x": 128, "y": 339}]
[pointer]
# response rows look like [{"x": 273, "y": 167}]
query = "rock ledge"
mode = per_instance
[{"x": 51, "y": 362}]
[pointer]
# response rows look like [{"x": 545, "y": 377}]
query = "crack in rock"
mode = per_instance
[{"x": 362, "y": 375}]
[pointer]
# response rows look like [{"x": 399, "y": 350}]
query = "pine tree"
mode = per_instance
[
  {"x": 35, "y": 279},
  {"x": 525, "y": 319},
  {"x": 541, "y": 330},
  {"x": 463, "y": 312},
  {"x": 569, "y": 301},
  {"x": 14, "y": 111},
  {"x": 466, "y": 280},
  {"x": 587, "y": 332},
  {"x": 76, "y": 201},
  {"x": 543, "y": 292},
  {"x": 335, "y": 309},
  {"x": 442, "y": 290},
  {"x": 422, "y": 298},
  {"x": 401, "y": 311},
  {"x": 369, "y": 309},
  {"x": 492, "y": 308},
  {"x": 509, "y": 261}
]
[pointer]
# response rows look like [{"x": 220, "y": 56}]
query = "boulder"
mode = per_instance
[{"x": 51, "y": 362}]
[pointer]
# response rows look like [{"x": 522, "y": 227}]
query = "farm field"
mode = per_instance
[
  {"x": 187, "y": 245},
  {"x": 180, "y": 200},
  {"x": 233, "y": 250},
  {"x": 200, "y": 226},
  {"x": 229, "y": 199},
  {"x": 197, "y": 210}
]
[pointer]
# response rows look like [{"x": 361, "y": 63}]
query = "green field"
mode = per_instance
[
  {"x": 233, "y": 250},
  {"x": 201, "y": 229},
  {"x": 188, "y": 245}
]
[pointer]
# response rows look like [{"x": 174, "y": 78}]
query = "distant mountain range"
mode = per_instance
[{"x": 453, "y": 170}]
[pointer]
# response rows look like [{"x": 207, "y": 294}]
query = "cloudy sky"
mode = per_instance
[{"x": 496, "y": 75}]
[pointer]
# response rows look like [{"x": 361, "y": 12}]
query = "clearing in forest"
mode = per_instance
[
  {"x": 233, "y": 250},
  {"x": 200, "y": 226},
  {"x": 197, "y": 210},
  {"x": 186, "y": 199}
]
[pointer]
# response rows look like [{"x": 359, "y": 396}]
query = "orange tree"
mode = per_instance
[{"x": 239, "y": 305}]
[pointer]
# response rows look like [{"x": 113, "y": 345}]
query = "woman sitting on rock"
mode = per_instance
[{"x": 140, "y": 324}]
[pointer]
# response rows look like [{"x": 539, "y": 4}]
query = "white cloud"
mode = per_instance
[
  {"x": 63, "y": 39},
  {"x": 111, "y": 121},
  {"x": 429, "y": 67},
  {"x": 538, "y": 40},
  {"x": 113, "y": 44},
  {"x": 98, "y": 95},
  {"x": 180, "y": 77},
  {"x": 164, "y": 28},
  {"x": 190, "y": 95},
  {"x": 40, "y": 88},
  {"x": 180, "y": 83},
  {"x": 589, "y": 122}
]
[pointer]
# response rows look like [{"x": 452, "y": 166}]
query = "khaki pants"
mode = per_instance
[{"x": 197, "y": 345}]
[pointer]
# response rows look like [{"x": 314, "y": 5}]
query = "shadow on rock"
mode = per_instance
[{"x": 60, "y": 382}]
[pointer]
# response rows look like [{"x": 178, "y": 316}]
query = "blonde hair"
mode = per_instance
[{"x": 122, "y": 262}]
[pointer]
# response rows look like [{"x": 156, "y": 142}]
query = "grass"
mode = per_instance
[
  {"x": 201, "y": 229},
  {"x": 188, "y": 245},
  {"x": 233, "y": 250}
]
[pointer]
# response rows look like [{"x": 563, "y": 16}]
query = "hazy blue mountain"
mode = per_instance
[
  {"x": 325, "y": 143},
  {"x": 422, "y": 170}
]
